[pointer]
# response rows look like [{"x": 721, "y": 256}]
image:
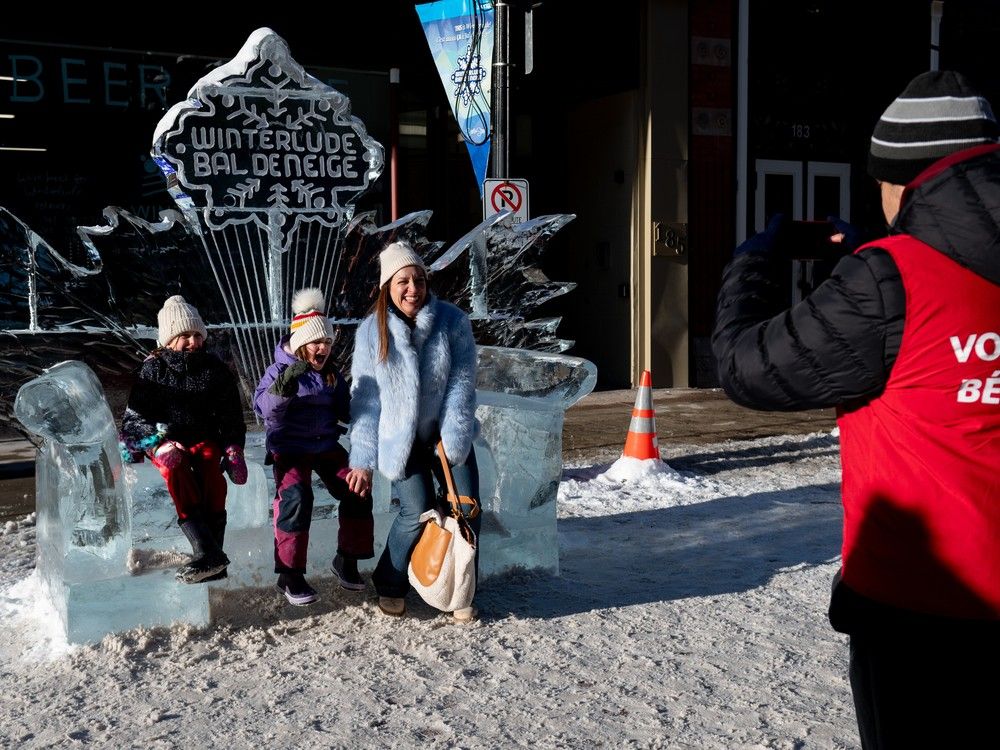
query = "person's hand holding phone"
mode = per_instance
[
  {"x": 807, "y": 240},
  {"x": 848, "y": 236}
]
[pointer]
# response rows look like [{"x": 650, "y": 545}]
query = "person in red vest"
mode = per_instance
[{"x": 904, "y": 340}]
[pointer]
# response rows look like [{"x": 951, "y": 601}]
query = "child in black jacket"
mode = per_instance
[{"x": 185, "y": 414}]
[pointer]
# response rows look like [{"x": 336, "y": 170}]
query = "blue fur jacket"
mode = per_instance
[{"x": 426, "y": 387}]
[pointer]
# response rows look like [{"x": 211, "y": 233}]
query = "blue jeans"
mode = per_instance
[{"x": 416, "y": 495}]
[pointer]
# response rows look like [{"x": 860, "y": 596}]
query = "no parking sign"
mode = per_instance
[{"x": 506, "y": 195}]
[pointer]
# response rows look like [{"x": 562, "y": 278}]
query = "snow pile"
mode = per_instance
[
  {"x": 17, "y": 550},
  {"x": 628, "y": 469},
  {"x": 627, "y": 485}
]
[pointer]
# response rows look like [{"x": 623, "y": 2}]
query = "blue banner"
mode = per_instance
[{"x": 460, "y": 36}]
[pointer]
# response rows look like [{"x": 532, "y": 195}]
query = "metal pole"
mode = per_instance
[
  {"x": 742, "y": 96},
  {"x": 937, "y": 10},
  {"x": 501, "y": 90},
  {"x": 394, "y": 143}
]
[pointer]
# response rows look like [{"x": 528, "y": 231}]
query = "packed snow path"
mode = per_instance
[{"x": 690, "y": 613}]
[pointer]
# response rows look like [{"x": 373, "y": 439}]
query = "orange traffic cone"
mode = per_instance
[{"x": 641, "y": 440}]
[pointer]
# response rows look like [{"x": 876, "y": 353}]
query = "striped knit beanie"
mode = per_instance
[
  {"x": 937, "y": 114},
  {"x": 309, "y": 321}
]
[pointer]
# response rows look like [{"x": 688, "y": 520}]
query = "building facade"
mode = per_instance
[{"x": 672, "y": 129}]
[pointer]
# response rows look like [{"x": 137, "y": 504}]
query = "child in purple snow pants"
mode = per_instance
[
  {"x": 303, "y": 399},
  {"x": 293, "y": 506}
]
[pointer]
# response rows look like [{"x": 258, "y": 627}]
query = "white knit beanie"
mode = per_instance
[
  {"x": 177, "y": 317},
  {"x": 395, "y": 256},
  {"x": 309, "y": 321}
]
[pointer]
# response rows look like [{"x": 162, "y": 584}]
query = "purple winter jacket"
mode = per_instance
[{"x": 307, "y": 421}]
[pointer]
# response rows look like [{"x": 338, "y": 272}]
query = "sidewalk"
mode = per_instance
[
  {"x": 17, "y": 479},
  {"x": 595, "y": 428},
  {"x": 15, "y": 453},
  {"x": 594, "y": 432}
]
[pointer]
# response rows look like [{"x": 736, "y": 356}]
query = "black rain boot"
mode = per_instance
[
  {"x": 217, "y": 526},
  {"x": 207, "y": 559}
]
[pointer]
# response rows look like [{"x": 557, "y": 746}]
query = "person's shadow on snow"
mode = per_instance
[
  {"x": 751, "y": 456},
  {"x": 725, "y": 545}
]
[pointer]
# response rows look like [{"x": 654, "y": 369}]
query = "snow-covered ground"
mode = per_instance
[{"x": 690, "y": 613}]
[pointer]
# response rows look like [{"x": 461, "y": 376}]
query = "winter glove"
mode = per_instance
[
  {"x": 130, "y": 455},
  {"x": 235, "y": 465},
  {"x": 852, "y": 238},
  {"x": 134, "y": 452},
  {"x": 130, "y": 452},
  {"x": 286, "y": 384},
  {"x": 762, "y": 242},
  {"x": 169, "y": 454}
]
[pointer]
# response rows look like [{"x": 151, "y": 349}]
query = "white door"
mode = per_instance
[{"x": 811, "y": 190}]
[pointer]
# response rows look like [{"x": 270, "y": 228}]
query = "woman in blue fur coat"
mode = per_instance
[{"x": 413, "y": 381}]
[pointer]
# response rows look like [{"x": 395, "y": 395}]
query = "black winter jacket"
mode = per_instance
[
  {"x": 837, "y": 347},
  {"x": 192, "y": 393}
]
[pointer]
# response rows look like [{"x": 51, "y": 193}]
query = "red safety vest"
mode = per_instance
[{"x": 921, "y": 463}]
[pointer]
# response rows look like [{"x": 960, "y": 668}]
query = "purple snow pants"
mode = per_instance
[{"x": 293, "y": 505}]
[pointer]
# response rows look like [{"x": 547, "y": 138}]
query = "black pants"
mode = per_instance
[{"x": 927, "y": 688}]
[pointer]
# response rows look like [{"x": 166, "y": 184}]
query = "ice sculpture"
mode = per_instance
[
  {"x": 501, "y": 282},
  {"x": 93, "y": 513},
  {"x": 83, "y": 521},
  {"x": 521, "y": 399},
  {"x": 263, "y": 162},
  {"x": 99, "y": 522},
  {"x": 66, "y": 406}
]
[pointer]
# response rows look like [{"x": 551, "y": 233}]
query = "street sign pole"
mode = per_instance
[{"x": 501, "y": 82}]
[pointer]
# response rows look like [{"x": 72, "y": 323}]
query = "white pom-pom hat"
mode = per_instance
[
  {"x": 395, "y": 256},
  {"x": 309, "y": 321},
  {"x": 177, "y": 317}
]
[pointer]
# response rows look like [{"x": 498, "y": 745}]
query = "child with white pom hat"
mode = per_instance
[
  {"x": 302, "y": 398},
  {"x": 186, "y": 414}
]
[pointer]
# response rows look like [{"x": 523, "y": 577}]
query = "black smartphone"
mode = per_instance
[{"x": 807, "y": 240}]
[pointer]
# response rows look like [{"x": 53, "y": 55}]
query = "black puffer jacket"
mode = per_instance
[
  {"x": 193, "y": 393},
  {"x": 838, "y": 346}
]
